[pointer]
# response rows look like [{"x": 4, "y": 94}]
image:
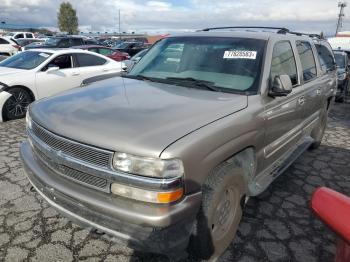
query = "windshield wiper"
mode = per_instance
[
  {"x": 195, "y": 83},
  {"x": 140, "y": 77}
]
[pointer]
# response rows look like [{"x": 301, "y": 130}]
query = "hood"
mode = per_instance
[
  {"x": 5, "y": 71},
  {"x": 133, "y": 116}
]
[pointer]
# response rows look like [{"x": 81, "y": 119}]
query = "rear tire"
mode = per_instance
[
  {"x": 220, "y": 212},
  {"x": 16, "y": 106}
]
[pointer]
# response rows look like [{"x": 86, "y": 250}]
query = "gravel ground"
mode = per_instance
[{"x": 276, "y": 226}]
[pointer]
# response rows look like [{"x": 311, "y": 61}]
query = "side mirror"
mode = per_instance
[
  {"x": 281, "y": 86},
  {"x": 52, "y": 69}
]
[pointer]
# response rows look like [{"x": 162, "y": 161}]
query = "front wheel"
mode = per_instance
[
  {"x": 220, "y": 212},
  {"x": 16, "y": 106}
]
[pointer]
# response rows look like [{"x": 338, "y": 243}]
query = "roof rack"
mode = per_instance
[
  {"x": 305, "y": 34},
  {"x": 280, "y": 30}
]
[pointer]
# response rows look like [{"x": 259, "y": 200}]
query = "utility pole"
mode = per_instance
[
  {"x": 341, "y": 5},
  {"x": 119, "y": 24}
]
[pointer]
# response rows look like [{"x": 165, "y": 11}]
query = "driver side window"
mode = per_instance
[
  {"x": 283, "y": 62},
  {"x": 62, "y": 61}
]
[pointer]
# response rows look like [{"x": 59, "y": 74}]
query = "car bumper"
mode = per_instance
[{"x": 151, "y": 228}]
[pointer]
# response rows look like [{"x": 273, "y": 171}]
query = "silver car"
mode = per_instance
[{"x": 165, "y": 157}]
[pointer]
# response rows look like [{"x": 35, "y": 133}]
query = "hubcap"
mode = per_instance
[
  {"x": 224, "y": 214},
  {"x": 17, "y": 104}
]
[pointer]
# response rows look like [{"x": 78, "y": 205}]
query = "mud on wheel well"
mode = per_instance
[{"x": 245, "y": 159}]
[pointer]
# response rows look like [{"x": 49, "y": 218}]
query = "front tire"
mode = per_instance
[
  {"x": 16, "y": 106},
  {"x": 220, "y": 212}
]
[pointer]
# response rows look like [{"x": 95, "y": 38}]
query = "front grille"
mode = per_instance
[
  {"x": 89, "y": 180},
  {"x": 78, "y": 151}
]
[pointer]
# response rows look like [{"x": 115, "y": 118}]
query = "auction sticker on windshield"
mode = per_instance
[
  {"x": 240, "y": 54},
  {"x": 44, "y": 55}
]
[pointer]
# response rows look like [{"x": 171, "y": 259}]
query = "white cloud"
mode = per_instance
[{"x": 162, "y": 15}]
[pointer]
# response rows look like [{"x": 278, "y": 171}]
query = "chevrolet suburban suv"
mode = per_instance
[{"x": 165, "y": 157}]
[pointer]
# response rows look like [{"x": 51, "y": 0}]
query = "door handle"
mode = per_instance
[
  {"x": 105, "y": 69},
  {"x": 75, "y": 74},
  {"x": 318, "y": 91},
  {"x": 301, "y": 100}
]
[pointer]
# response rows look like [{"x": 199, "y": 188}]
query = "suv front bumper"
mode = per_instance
[{"x": 153, "y": 228}]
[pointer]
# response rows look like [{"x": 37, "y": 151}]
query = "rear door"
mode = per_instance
[
  {"x": 283, "y": 115},
  {"x": 313, "y": 84},
  {"x": 67, "y": 77},
  {"x": 92, "y": 65}
]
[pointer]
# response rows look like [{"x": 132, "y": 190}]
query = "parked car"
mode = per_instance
[
  {"x": 170, "y": 152},
  {"x": 333, "y": 209},
  {"x": 2, "y": 57},
  {"x": 341, "y": 58},
  {"x": 132, "y": 48},
  {"x": 8, "y": 47},
  {"x": 20, "y": 35},
  {"x": 135, "y": 59},
  {"x": 106, "y": 51},
  {"x": 59, "y": 42},
  {"x": 35, "y": 74},
  {"x": 26, "y": 41}
]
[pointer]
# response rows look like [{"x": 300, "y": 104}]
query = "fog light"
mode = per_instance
[{"x": 146, "y": 195}]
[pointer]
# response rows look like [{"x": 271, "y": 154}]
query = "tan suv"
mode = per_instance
[{"x": 165, "y": 157}]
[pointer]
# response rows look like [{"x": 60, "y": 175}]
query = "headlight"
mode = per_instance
[
  {"x": 342, "y": 77},
  {"x": 28, "y": 120},
  {"x": 151, "y": 167}
]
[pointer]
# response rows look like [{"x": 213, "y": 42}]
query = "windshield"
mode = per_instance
[
  {"x": 340, "y": 60},
  {"x": 122, "y": 45},
  {"x": 226, "y": 63},
  {"x": 25, "y": 60},
  {"x": 52, "y": 41}
]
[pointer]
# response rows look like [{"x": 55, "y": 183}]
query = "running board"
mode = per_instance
[
  {"x": 263, "y": 180},
  {"x": 294, "y": 156}
]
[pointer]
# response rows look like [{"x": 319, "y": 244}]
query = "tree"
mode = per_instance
[{"x": 67, "y": 18}]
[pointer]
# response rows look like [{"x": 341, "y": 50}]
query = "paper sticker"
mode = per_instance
[
  {"x": 44, "y": 55},
  {"x": 240, "y": 54}
]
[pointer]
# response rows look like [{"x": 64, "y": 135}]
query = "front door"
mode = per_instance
[
  {"x": 51, "y": 83},
  {"x": 283, "y": 115}
]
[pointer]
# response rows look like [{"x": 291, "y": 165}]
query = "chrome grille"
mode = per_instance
[
  {"x": 89, "y": 180},
  {"x": 81, "y": 152}
]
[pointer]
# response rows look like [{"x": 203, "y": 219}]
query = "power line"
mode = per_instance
[{"x": 341, "y": 5}]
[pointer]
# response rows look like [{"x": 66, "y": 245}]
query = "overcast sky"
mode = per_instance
[{"x": 176, "y": 15}]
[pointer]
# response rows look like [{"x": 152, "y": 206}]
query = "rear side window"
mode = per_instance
[
  {"x": 63, "y": 43},
  {"x": 89, "y": 60},
  {"x": 105, "y": 51},
  {"x": 29, "y": 35},
  {"x": 325, "y": 57},
  {"x": 77, "y": 41},
  {"x": 3, "y": 42},
  {"x": 307, "y": 60},
  {"x": 283, "y": 62}
]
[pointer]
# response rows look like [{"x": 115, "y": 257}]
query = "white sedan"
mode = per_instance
[{"x": 40, "y": 73}]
